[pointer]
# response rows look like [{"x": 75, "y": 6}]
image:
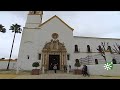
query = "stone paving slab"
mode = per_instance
[{"x": 62, "y": 76}]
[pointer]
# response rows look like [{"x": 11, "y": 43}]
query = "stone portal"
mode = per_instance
[{"x": 54, "y": 50}]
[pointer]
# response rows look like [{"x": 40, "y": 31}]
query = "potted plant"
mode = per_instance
[
  {"x": 77, "y": 64},
  {"x": 36, "y": 71}
]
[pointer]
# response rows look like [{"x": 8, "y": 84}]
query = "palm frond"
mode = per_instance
[
  {"x": 2, "y": 29},
  {"x": 16, "y": 28}
]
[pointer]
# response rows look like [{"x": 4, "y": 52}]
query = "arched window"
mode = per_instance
[
  {"x": 100, "y": 49},
  {"x": 96, "y": 61},
  {"x": 76, "y": 48},
  {"x": 28, "y": 57},
  {"x": 88, "y": 48},
  {"x": 109, "y": 48},
  {"x": 68, "y": 57},
  {"x": 34, "y": 12},
  {"x": 119, "y": 47},
  {"x": 39, "y": 56},
  {"x": 114, "y": 61}
]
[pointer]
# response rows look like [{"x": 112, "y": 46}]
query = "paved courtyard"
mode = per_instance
[
  {"x": 51, "y": 75},
  {"x": 62, "y": 76}
]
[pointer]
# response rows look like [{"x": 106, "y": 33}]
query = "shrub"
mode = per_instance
[
  {"x": 36, "y": 64},
  {"x": 77, "y": 63}
]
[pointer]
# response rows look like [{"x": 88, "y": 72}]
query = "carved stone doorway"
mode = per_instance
[{"x": 54, "y": 48}]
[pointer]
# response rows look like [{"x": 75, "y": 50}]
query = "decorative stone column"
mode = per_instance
[
  {"x": 60, "y": 61},
  {"x": 43, "y": 68}
]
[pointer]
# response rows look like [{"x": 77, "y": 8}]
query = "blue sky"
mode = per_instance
[{"x": 103, "y": 24}]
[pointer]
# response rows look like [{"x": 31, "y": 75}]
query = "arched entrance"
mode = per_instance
[{"x": 54, "y": 52}]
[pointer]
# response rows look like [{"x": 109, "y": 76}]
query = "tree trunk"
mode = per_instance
[{"x": 11, "y": 52}]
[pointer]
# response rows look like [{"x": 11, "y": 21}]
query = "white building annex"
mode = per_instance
[{"x": 53, "y": 42}]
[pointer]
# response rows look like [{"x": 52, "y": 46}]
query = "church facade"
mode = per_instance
[{"x": 52, "y": 42}]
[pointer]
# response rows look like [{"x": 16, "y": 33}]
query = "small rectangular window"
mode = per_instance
[
  {"x": 68, "y": 57},
  {"x": 39, "y": 56}
]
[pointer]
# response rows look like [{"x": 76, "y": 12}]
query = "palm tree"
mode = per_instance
[
  {"x": 2, "y": 29},
  {"x": 16, "y": 29}
]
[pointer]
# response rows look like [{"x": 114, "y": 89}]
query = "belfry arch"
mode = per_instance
[{"x": 54, "y": 48}]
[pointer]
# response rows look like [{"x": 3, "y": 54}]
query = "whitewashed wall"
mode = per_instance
[
  {"x": 34, "y": 39},
  {"x": 82, "y": 43},
  {"x": 3, "y": 65},
  {"x": 99, "y": 70}
]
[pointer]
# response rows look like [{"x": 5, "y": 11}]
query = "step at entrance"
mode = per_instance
[{"x": 52, "y": 71}]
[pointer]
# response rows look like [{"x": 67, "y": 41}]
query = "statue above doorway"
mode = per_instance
[{"x": 54, "y": 48}]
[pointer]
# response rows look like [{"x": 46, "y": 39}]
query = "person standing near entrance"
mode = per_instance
[
  {"x": 55, "y": 68},
  {"x": 51, "y": 66},
  {"x": 85, "y": 71}
]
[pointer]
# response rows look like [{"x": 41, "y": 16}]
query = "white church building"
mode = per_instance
[{"x": 53, "y": 42}]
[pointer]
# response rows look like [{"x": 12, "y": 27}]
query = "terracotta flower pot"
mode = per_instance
[
  {"x": 35, "y": 72},
  {"x": 77, "y": 71}
]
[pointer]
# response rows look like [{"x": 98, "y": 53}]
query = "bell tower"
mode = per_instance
[{"x": 34, "y": 19}]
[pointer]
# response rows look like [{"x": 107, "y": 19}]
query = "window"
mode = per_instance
[
  {"x": 68, "y": 57},
  {"x": 114, "y": 61},
  {"x": 28, "y": 57},
  {"x": 109, "y": 48},
  {"x": 39, "y": 56},
  {"x": 119, "y": 47},
  {"x": 76, "y": 48},
  {"x": 100, "y": 49},
  {"x": 96, "y": 61},
  {"x": 88, "y": 48},
  {"x": 34, "y": 12}
]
